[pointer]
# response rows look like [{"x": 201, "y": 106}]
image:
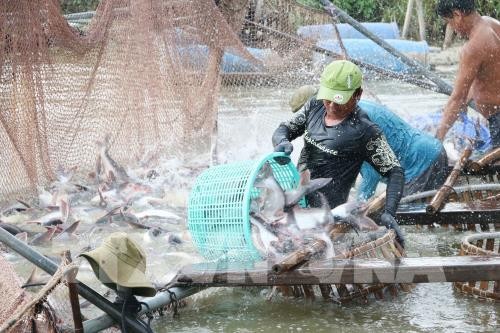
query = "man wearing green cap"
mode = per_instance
[
  {"x": 339, "y": 137},
  {"x": 421, "y": 155}
]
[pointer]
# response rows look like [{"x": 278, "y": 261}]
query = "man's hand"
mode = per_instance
[
  {"x": 390, "y": 222},
  {"x": 283, "y": 147}
]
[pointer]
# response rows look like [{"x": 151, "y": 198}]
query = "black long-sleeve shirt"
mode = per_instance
[{"x": 338, "y": 151}]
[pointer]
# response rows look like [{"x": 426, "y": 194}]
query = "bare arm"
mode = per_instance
[{"x": 470, "y": 63}]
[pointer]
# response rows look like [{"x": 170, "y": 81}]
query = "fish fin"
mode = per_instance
[
  {"x": 23, "y": 203},
  {"x": 305, "y": 177},
  {"x": 328, "y": 217},
  {"x": 22, "y": 236},
  {"x": 64, "y": 209},
  {"x": 44, "y": 237},
  {"x": 316, "y": 184},
  {"x": 35, "y": 278},
  {"x": 69, "y": 230}
]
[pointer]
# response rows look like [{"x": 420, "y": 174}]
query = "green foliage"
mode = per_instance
[
  {"x": 75, "y": 6},
  {"x": 395, "y": 10}
]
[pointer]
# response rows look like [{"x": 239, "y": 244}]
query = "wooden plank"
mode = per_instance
[{"x": 348, "y": 271}]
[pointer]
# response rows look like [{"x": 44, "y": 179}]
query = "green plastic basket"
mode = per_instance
[{"x": 219, "y": 207}]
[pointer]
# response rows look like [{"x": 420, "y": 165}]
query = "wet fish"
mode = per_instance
[
  {"x": 11, "y": 228},
  {"x": 18, "y": 206},
  {"x": 43, "y": 238},
  {"x": 50, "y": 219},
  {"x": 108, "y": 171},
  {"x": 310, "y": 218},
  {"x": 354, "y": 214},
  {"x": 306, "y": 186},
  {"x": 272, "y": 197},
  {"x": 262, "y": 237},
  {"x": 159, "y": 233},
  {"x": 157, "y": 213}
]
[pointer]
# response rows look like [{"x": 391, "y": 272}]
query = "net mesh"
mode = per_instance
[
  {"x": 155, "y": 76},
  {"x": 47, "y": 311},
  {"x": 145, "y": 72}
]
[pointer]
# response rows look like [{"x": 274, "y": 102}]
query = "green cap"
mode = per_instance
[
  {"x": 339, "y": 81},
  {"x": 301, "y": 95}
]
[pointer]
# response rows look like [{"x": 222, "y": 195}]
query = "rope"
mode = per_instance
[
  {"x": 39, "y": 298},
  {"x": 173, "y": 300}
]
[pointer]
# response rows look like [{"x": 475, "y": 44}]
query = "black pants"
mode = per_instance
[
  {"x": 432, "y": 178},
  {"x": 494, "y": 122}
]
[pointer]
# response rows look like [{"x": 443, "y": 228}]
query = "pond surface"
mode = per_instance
[{"x": 247, "y": 120}]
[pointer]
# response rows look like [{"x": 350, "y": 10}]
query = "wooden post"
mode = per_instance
[
  {"x": 299, "y": 257},
  {"x": 421, "y": 19},
  {"x": 376, "y": 204},
  {"x": 485, "y": 161},
  {"x": 437, "y": 201},
  {"x": 406, "y": 24},
  {"x": 73, "y": 295}
]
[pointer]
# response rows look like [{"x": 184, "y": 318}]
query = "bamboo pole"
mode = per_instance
[
  {"x": 406, "y": 24},
  {"x": 376, "y": 69},
  {"x": 326, "y": 291},
  {"x": 443, "y": 86},
  {"x": 485, "y": 161},
  {"x": 437, "y": 201},
  {"x": 299, "y": 257},
  {"x": 421, "y": 19},
  {"x": 490, "y": 244},
  {"x": 73, "y": 295},
  {"x": 376, "y": 204}
]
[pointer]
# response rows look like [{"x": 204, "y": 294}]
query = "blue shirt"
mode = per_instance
[{"x": 415, "y": 150}]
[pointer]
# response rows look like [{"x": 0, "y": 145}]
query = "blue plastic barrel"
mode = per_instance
[
  {"x": 368, "y": 51},
  {"x": 195, "y": 57},
  {"x": 326, "y": 31},
  {"x": 233, "y": 64}
]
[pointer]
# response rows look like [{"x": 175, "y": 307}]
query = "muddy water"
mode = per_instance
[
  {"x": 247, "y": 120},
  {"x": 429, "y": 308}
]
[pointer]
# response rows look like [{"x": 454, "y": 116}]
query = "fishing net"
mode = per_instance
[
  {"x": 145, "y": 72},
  {"x": 47, "y": 311},
  {"x": 154, "y": 75},
  {"x": 485, "y": 244}
]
